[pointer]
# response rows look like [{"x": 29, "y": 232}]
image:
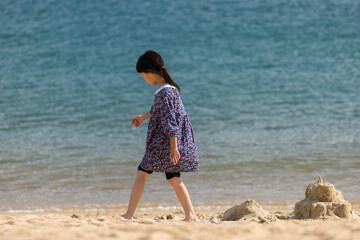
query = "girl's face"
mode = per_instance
[{"x": 149, "y": 78}]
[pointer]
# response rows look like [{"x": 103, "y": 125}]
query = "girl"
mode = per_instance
[{"x": 170, "y": 143}]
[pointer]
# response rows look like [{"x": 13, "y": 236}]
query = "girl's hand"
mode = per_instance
[
  {"x": 174, "y": 156},
  {"x": 137, "y": 121}
]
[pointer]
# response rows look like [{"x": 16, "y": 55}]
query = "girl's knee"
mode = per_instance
[
  {"x": 175, "y": 181},
  {"x": 143, "y": 174}
]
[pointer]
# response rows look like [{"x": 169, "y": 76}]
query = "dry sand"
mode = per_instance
[{"x": 162, "y": 225}]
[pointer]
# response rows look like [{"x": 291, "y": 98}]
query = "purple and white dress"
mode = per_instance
[{"x": 169, "y": 119}]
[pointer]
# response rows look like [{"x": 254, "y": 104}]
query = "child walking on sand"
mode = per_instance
[{"x": 170, "y": 143}]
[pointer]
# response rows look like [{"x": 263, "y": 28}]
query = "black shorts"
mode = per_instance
[{"x": 168, "y": 174}]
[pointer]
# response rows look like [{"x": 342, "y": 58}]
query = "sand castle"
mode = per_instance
[
  {"x": 323, "y": 200},
  {"x": 249, "y": 211}
]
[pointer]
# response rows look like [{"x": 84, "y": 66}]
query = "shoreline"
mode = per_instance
[
  {"x": 284, "y": 206},
  {"x": 287, "y": 206}
]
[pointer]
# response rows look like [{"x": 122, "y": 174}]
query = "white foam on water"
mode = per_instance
[{"x": 25, "y": 211}]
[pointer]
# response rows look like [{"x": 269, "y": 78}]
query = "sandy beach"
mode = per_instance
[{"x": 160, "y": 224}]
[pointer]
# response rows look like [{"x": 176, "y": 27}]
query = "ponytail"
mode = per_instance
[
  {"x": 168, "y": 79},
  {"x": 151, "y": 61}
]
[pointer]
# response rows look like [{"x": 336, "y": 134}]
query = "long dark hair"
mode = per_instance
[{"x": 152, "y": 62}]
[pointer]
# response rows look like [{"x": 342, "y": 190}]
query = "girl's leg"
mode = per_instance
[
  {"x": 184, "y": 198},
  {"x": 136, "y": 193}
]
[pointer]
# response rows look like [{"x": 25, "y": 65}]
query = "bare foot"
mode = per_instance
[
  {"x": 126, "y": 217},
  {"x": 192, "y": 218}
]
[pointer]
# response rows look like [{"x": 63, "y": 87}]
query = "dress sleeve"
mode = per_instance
[{"x": 168, "y": 117}]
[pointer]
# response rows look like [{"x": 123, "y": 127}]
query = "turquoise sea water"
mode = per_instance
[{"x": 272, "y": 90}]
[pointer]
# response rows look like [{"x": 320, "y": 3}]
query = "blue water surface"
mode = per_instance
[{"x": 272, "y": 89}]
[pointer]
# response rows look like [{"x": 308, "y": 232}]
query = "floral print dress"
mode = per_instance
[{"x": 169, "y": 119}]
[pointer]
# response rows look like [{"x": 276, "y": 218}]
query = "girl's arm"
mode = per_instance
[
  {"x": 173, "y": 143},
  {"x": 146, "y": 116},
  {"x": 139, "y": 119},
  {"x": 174, "y": 152}
]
